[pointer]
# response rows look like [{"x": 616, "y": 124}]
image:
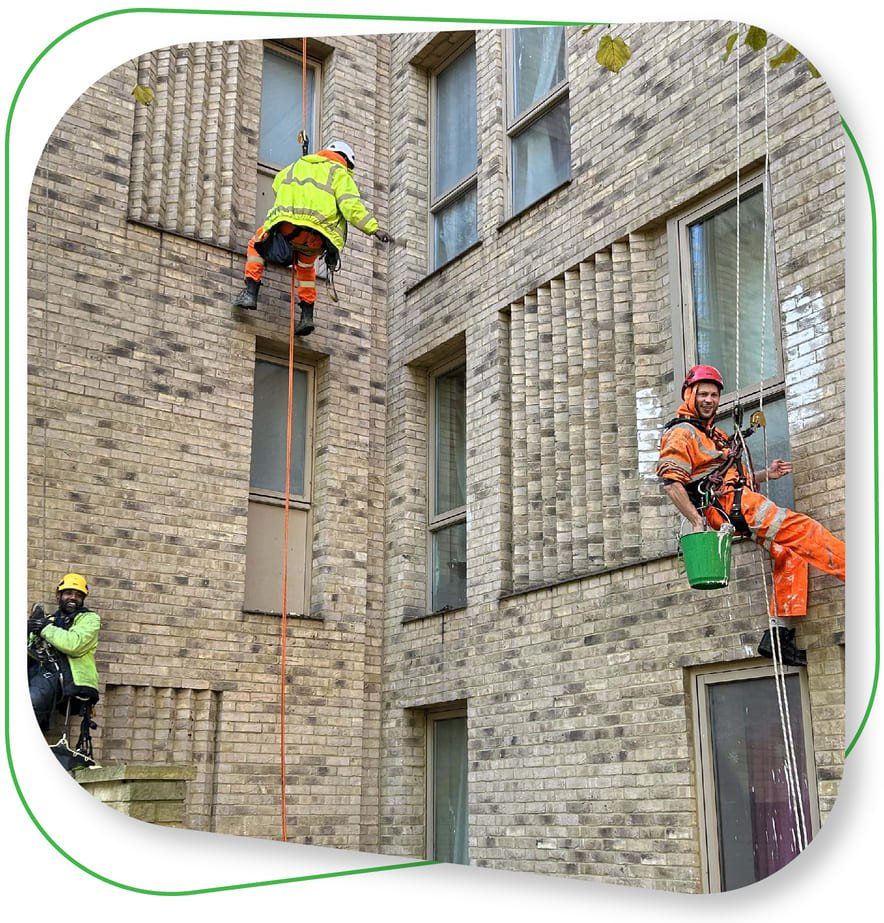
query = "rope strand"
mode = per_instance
[{"x": 285, "y": 557}]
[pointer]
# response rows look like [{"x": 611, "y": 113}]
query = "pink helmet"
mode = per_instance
[{"x": 702, "y": 373}]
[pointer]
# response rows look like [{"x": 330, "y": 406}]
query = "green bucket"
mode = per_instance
[{"x": 707, "y": 558}]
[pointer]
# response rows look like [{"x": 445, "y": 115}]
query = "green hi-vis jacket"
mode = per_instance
[
  {"x": 78, "y": 644},
  {"x": 319, "y": 192}
]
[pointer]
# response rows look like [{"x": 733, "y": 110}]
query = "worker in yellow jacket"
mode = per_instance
[
  {"x": 316, "y": 199},
  {"x": 61, "y": 651}
]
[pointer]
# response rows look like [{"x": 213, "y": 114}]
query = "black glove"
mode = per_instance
[{"x": 38, "y": 620}]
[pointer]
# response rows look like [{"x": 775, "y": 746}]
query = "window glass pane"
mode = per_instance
[
  {"x": 756, "y": 828},
  {"x": 766, "y": 444},
  {"x": 538, "y": 64},
  {"x": 455, "y": 130},
  {"x": 714, "y": 284},
  {"x": 281, "y": 108},
  {"x": 450, "y": 818},
  {"x": 450, "y": 567},
  {"x": 541, "y": 156},
  {"x": 450, "y": 431},
  {"x": 269, "y": 426},
  {"x": 454, "y": 227}
]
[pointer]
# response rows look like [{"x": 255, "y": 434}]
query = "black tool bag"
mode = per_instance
[{"x": 274, "y": 248}]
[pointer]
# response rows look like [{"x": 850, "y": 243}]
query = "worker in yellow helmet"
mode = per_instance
[
  {"x": 61, "y": 652},
  {"x": 316, "y": 199}
]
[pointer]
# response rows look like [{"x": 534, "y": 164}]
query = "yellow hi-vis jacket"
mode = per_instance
[
  {"x": 78, "y": 644},
  {"x": 318, "y": 191}
]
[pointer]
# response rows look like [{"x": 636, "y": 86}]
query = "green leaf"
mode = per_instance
[
  {"x": 143, "y": 94},
  {"x": 731, "y": 41},
  {"x": 756, "y": 38},
  {"x": 613, "y": 53},
  {"x": 786, "y": 56}
]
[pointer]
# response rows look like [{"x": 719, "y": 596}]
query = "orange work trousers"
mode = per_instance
[
  {"x": 793, "y": 540},
  {"x": 307, "y": 245}
]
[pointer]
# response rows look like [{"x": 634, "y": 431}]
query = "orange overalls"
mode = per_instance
[
  {"x": 794, "y": 541},
  {"x": 306, "y": 243}
]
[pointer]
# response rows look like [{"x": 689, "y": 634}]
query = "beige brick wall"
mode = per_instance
[
  {"x": 140, "y": 411},
  {"x": 574, "y": 654}
]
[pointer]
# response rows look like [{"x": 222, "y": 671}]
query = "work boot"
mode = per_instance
[
  {"x": 790, "y": 654},
  {"x": 248, "y": 297},
  {"x": 305, "y": 324}
]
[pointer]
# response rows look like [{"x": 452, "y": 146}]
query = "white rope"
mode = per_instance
[
  {"x": 737, "y": 293},
  {"x": 793, "y": 779},
  {"x": 793, "y": 782}
]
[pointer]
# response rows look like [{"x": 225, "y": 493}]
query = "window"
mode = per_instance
[
  {"x": 447, "y": 808},
  {"x": 752, "y": 822},
  {"x": 448, "y": 526},
  {"x": 729, "y": 315},
  {"x": 282, "y": 101},
  {"x": 538, "y": 125},
  {"x": 264, "y": 545},
  {"x": 454, "y": 159}
]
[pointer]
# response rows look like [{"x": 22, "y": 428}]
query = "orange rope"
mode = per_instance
[
  {"x": 302, "y": 135},
  {"x": 304, "y": 83},
  {"x": 288, "y": 475},
  {"x": 285, "y": 557}
]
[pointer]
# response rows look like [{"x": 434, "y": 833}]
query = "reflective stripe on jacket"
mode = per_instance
[
  {"x": 318, "y": 191},
  {"x": 688, "y": 454},
  {"x": 78, "y": 644}
]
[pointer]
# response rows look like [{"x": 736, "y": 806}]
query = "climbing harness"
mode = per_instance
[
  {"x": 81, "y": 756},
  {"x": 705, "y": 492},
  {"x": 40, "y": 651}
]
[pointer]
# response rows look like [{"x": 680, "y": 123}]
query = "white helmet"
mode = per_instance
[{"x": 341, "y": 147}]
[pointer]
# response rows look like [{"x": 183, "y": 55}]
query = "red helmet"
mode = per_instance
[{"x": 702, "y": 373}]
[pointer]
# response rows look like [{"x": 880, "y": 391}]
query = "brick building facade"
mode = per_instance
[{"x": 495, "y": 657}]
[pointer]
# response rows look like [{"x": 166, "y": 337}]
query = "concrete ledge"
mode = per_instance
[{"x": 156, "y": 794}]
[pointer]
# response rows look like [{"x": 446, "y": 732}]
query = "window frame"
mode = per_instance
[
  {"x": 266, "y": 495},
  {"x": 701, "y": 679},
  {"x": 441, "y": 202},
  {"x": 266, "y": 170},
  {"x": 298, "y": 503},
  {"x": 773, "y": 387},
  {"x": 433, "y": 716},
  {"x": 517, "y": 123},
  {"x": 438, "y": 522},
  {"x": 749, "y": 396}
]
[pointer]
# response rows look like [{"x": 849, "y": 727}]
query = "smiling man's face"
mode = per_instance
[{"x": 706, "y": 399}]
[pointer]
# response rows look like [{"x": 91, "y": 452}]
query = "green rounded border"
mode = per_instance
[{"x": 6, "y": 486}]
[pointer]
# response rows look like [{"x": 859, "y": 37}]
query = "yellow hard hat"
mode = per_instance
[{"x": 73, "y": 582}]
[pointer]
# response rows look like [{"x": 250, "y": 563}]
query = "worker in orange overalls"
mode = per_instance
[
  {"x": 316, "y": 199},
  {"x": 705, "y": 479}
]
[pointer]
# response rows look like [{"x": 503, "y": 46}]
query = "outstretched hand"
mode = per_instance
[
  {"x": 382, "y": 236},
  {"x": 778, "y": 468}
]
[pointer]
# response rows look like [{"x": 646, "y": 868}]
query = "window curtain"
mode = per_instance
[
  {"x": 539, "y": 64},
  {"x": 450, "y": 806},
  {"x": 451, "y": 437},
  {"x": 756, "y": 828},
  {"x": 269, "y": 426},
  {"x": 541, "y": 153},
  {"x": 454, "y": 138},
  {"x": 281, "y": 109},
  {"x": 715, "y": 283}
]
